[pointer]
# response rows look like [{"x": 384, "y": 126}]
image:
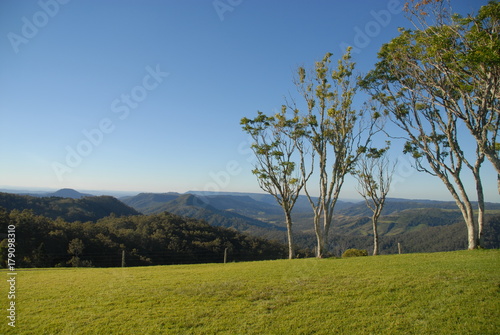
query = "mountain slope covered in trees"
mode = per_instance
[
  {"x": 226, "y": 215},
  {"x": 69, "y": 209},
  {"x": 399, "y": 215},
  {"x": 141, "y": 239}
]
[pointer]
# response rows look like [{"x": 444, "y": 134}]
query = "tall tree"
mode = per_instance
[
  {"x": 432, "y": 79},
  {"x": 374, "y": 174},
  {"x": 338, "y": 133},
  {"x": 278, "y": 141},
  {"x": 456, "y": 61}
]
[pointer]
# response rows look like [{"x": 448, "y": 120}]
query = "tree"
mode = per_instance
[
  {"x": 465, "y": 52},
  {"x": 75, "y": 248},
  {"x": 335, "y": 130},
  {"x": 277, "y": 140},
  {"x": 431, "y": 79},
  {"x": 374, "y": 175}
]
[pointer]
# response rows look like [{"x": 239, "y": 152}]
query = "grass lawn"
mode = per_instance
[{"x": 439, "y": 293}]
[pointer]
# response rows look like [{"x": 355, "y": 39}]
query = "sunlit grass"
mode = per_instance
[{"x": 440, "y": 293}]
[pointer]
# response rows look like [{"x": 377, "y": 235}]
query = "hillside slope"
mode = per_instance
[
  {"x": 84, "y": 209},
  {"x": 351, "y": 223},
  {"x": 148, "y": 203},
  {"x": 157, "y": 239},
  {"x": 194, "y": 207}
]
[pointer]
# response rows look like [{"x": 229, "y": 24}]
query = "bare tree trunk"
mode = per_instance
[
  {"x": 471, "y": 235},
  {"x": 471, "y": 226},
  {"x": 464, "y": 206},
  {"x": 375, "y": 217},
  {"x": 291, "y": 251},
  {"x": 327, "y": 220},
  {"x": 319, "y": 237},
  {"x": 480, "y": 203}
]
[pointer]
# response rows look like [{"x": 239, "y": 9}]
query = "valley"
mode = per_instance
[{"x": 419, "y": 225}]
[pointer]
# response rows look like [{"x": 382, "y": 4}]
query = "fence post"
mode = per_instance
[
  {"x": 399, "y": 248},
  {"x": 123, "y": 258},
  {"x": 225, "y": 255}
]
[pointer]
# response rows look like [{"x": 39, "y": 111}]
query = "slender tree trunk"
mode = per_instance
[
  {"x": 471, "y": 227},
  {"x": 319, "y": 236},
  {"x": 471, "y": 233},
  {"x": 468, "y": 216},
  {"x": 464, "y": 206},
  {"x": 291, "y": 251},
  {"x": 327, "y": 219},
  {"x": 375, "y": 217},
  {"x": 480, "y": 205}
]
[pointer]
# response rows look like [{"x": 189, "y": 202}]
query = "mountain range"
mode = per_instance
[
  {"x": 257, "y": 214},
  {"x": 264, "y": 208}
]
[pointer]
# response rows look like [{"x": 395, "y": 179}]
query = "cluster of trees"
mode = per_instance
[
  {"x": 142, "y": 240},
  {"x": 428, "y": 81}
]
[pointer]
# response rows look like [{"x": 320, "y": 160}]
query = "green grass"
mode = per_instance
[{"x": 440, "y": 293}]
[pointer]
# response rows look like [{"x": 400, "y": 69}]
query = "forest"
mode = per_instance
[{"x": 136, "y": 240}]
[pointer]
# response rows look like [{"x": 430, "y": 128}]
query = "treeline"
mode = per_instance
[{"x": 143, "y": 239}]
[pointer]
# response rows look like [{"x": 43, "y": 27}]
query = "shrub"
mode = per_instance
[{"x": 354, "y": 253}]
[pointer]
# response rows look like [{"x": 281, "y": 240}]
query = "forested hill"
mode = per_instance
[
  {"x": 84, "y": 209},
  {"x": 140, "y": 239},
  {"x": 395, "y": 205},
  {"x": 229, "y": 213},
  {"x": 191, "y": 206}
]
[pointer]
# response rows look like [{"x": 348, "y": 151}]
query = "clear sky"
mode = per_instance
[{"x": 146, "y": 96}]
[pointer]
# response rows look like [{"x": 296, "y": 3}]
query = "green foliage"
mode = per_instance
[
  {"x": 277, "y": 139},
  {"x": 76, "y": 247},
  {"x": 354, "y": 253},
  {"x": 147, "y": 240},
  {"x": 438, "y": 76}
]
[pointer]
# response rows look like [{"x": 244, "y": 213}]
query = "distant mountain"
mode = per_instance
[
  {"x": 67, "y": 193},
  {"x": 150, "y": 203},
  {"x": 301, "y": 206},
  {"x": 395, "y": 205},
  {"x": 83, "y": 209},
  {"x": 247, "y": 211},
  {"x": 147, "y": 203},
  {"x": 195, "y": 207},
  {"x": 231, "y": 211}
]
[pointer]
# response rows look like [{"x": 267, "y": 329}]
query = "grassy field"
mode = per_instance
[{"x": 440, "y": 293}]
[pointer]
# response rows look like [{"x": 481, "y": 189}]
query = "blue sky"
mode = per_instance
[{"x": 146, "y": 96}]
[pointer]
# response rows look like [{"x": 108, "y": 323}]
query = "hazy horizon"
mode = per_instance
[{"x": 118, "y": 194}]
